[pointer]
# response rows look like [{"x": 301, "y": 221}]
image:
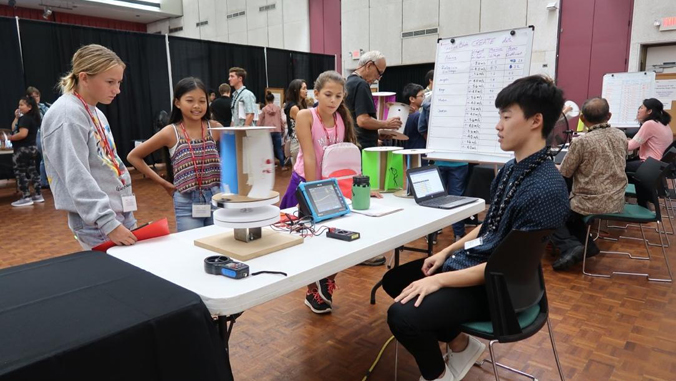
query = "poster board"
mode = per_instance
[
  {"x": 664, "y": 87},
  {"x": 278, "y": 94},
  {"x": 625, "y": 92},
  {"x": 469, "y": 72}
]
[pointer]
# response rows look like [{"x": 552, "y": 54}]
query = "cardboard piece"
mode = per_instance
[{"x": 226, "y": 244}]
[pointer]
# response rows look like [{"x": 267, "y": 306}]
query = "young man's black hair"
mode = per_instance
[
  {"x": 429, "y": 77},
  {"x": 535, "y": 94},
  {"x": 411, "y": 90}
]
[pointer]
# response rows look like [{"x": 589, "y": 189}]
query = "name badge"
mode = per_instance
[
  {"x": 129, "y": 203},
  {"x": 201, "y": 210},
  {"x": 474, "y": 243}
]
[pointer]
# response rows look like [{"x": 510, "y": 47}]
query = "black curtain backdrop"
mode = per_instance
[
  {"x": 13, "y": 86},
  {"x": 210, "y": 62},
  {"x": 49, "y": 47},
  {"x": 396, "y": 77},
  {"x": 308, "y": 66},
  {"x": 280, "y": 69},
  {"x": 284, "y": 66},
  {"x": 47, "y": 52}
]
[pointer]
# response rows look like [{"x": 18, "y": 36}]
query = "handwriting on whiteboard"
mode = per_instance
[{"x": 469, "y": 74}]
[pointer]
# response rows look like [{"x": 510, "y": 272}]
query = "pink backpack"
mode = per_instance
[{"x": 342, "y": 161}]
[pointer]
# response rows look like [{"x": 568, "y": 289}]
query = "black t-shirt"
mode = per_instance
[
  {"x": 290, "y": 123},
  {"x": 360, "y": 101},
  {"x": 32, "y": 125},
  {"x": 220, "y": 109}
]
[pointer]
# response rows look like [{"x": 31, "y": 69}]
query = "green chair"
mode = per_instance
[
  {"x": 516, "y": 295},
  {"x": 650, "y": 175}
]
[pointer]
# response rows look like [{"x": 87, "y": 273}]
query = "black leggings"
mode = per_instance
[
  {"x": 438, "y": 318},
  {"x": 642, "y": 194}
]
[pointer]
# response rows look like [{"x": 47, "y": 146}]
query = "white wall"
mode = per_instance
[
  {"x": 285, "y": 27},
  {"x": 643, "y": 32},
  {"x": 378, "y": 24}
]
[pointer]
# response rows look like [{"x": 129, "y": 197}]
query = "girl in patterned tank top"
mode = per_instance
[{"x": 194, "y": 173}]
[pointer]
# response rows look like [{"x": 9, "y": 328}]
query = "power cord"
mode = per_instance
[{"x": 380, "y": 354}]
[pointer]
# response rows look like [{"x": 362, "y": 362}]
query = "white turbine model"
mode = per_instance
[{"x": 247, "y": 204}]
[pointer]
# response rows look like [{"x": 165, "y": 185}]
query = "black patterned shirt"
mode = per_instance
[{"x": 540, "y": 202}]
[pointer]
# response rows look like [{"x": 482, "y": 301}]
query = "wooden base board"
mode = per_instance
[
  {"x": 226, "y": 244},
  {"x": 402, "y": 193}
]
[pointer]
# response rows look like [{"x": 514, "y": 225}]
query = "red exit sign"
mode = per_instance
[{"x": 668, "y": 23}]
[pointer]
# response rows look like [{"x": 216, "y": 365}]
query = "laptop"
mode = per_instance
[{"x": 429, "y": 190}]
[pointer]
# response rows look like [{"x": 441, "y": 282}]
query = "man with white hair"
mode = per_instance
[{"x": 359, "y": 100}]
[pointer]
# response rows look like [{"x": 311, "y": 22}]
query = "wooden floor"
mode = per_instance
[{"x": 622, "y": 328}]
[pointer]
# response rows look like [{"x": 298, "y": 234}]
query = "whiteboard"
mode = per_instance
[
  {"x": 625, "y": 93},
  {"x": 469, "y": 72}
]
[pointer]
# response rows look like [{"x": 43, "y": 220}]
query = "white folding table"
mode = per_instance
[{"x": 176, "y": 258}]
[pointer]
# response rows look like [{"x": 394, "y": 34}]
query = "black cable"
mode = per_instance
[{"x": 269, "y": 272}]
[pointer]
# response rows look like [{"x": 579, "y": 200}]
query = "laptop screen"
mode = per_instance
[{"x": 426, "y": 182}]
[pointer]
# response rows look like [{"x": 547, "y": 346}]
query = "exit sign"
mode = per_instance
[{"x": 668, "y": 23}]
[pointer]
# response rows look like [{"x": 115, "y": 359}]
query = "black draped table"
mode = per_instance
[{"x": 90, "y": 316}]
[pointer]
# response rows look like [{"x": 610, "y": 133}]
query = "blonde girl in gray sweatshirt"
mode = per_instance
[{"x": 87, "y": 177}]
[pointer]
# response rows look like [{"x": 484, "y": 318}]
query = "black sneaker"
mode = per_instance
[
  {"x": 375, "y": 261},
  {"x": 569, "y": 258},
  {"x": 325, "y": 288},
  {"x": 316, "y": 303}
]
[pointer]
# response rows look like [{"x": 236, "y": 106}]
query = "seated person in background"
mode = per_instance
[
  {"x": 413, "y": 95},
  {"x": 595, "y": 162},
  {"x": 434, "y": 296},
  {"x": 652, "y": 139}
]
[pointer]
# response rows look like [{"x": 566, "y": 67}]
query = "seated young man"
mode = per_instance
[
  {"x": 434, "y": 296},
  {"x": 596, "y": 163}
]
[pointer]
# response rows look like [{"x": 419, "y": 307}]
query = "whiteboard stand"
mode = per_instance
[
  {"x": 469, "y": 72},
  {"x": 625, "y": 93}
]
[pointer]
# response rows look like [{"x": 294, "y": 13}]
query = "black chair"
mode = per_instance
[
  {"x": 516, "y": 295},
  {"x": 650, "y": 176}
]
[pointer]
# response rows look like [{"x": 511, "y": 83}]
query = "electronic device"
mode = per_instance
[
  {"x": 321, "y": 200},
  {"x": 429, "y": 190},
  {"x": 222, "y": 265},
  {"x": 344, "y": 235}
]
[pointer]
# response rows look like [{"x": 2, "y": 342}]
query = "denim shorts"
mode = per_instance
[
  {"x": 183, "y": 208},
  {"x": 91, "y": 236}
]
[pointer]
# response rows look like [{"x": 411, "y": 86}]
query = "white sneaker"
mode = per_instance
[
  {"x": 27, "y": 201},
  {"x": 461, "y": 362},
  {"x": 38, "y": 198},
  {"x": 448, "y": 376}
]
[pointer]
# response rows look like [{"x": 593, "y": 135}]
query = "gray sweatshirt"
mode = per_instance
[{"x": 82, "y": 178}]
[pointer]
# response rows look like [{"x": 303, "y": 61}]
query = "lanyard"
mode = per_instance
[
  {"x": 198, "y": 175},
  {"x": 233, "y": 104},
  {"x": 335, "y": 128},
  {"x": 104, "y": 138}
]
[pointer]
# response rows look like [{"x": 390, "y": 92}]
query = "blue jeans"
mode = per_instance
[
  {"x": 91, "y": 236},
  {"x": 455, "y": 180},
  {"x": 43, "y": 173},
  {"x": 183, "y": 208},
  {"x": 277, "y": 146}
]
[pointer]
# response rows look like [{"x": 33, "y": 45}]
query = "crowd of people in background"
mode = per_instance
[{"x": 69, "y": 147}]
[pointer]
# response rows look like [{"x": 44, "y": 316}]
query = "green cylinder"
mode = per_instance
[{"x": 361, "y": 193}]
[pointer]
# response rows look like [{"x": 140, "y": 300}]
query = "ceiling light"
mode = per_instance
[{"x": 46, "y": 13}]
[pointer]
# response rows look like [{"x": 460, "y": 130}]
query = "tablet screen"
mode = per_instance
[{"x": 325, "y": 198}]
